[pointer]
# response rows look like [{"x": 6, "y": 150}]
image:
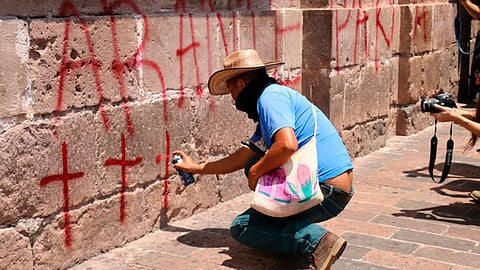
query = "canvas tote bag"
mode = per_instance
[{"x": 293, "y": 187}]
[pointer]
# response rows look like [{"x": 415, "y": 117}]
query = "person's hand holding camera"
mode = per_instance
[{"x": 445, "y": 114}]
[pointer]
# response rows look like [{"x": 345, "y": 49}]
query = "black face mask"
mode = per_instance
[{"x": 247, "y": 99}]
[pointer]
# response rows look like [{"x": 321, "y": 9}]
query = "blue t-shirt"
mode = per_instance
[{"x": 280, "y": 106}]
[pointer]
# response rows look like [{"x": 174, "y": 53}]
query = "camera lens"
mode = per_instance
[{"x": 426, "y": 105}]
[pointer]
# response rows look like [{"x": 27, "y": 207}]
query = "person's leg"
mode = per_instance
[
  {"x": 257, "y": 230},
  {"x": 330, "y": 247},
  {"x": 297, "y": 234}
]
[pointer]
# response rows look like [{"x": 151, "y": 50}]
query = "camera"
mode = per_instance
[{"x": 443, "y": 99}]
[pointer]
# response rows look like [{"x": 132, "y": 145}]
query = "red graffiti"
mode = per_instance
[
  {"x": 291, "y": 82},
  {"x": 123, "y": 162},
  {"x": 234, "y": 31},
  {"x": 222, "y": 32},
  {"x": 380, "y": 27},
  {"x": 362, "y": 20},
  {"x": 167, "y": 161},
  {"x": 67, "y": 66},
  {"x": 118, "y": 66},
  {"x": 418, "y": 21},
  {"x": 156, "y": 68},
  {"x": 135, "y": 60},
  {"x": 181, "y": 52},
  {"x": 64, "y": 177}
]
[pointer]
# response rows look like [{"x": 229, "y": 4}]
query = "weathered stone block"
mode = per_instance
[
  {"x": 258, "y": 31},
  {"x": 392, "y": 123},
  {"x": 410, "y": 80},
  {"x": 178, "y": 61},
  {"x": 361, "y": 99},
  {"x": 280, "y": 4},
  {"x": 139, "y": 144},
  {"x": 31, "y": 8},
  {"x": 313, "y": 3},
  {"x": 212, "y": 141},
  {"x": 27, "y": 8},
  {"x": 13, "y": 67},
  {"x": 449, "y": 69},
  {"x": 358, "y": 94},
  {"x": 316, "y": 87},
  {"x": 32, "y": 154},
  {"x": 351, "y": 37},
  {"x": 363, "y": 139},
  {"x": 184, "y": 201},
  {"x": 319, "y": 40},
  {"x": 420, "y": 77},
  {"x": 15, "y": 251},
  {"x": 411, "y": 120},
  {"x": 289, "y": 34},
  {"x": 382, "y": 33},
  {"x": 432, "y": 66},
  {"x": 93, "y": 228},
  {"x": 416, "y": 29},
  {"x": 232, "y": 185},
  {"x": 80, "y": 63},
  {"x": 443, "y": 34},
  {"x": 157, "y": 202}
]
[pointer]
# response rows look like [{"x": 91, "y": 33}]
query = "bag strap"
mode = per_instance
[
  {"x": 315, "y": 117},
  {"x": 433, "y": 155}
]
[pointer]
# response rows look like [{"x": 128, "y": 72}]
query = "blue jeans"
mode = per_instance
[{"x": 297, "y": 234}]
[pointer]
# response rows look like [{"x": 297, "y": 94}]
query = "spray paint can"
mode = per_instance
[{"x": 187, "y": 178}]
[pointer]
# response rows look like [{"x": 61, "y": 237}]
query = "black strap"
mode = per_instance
[{"x": 433, "y": 155}]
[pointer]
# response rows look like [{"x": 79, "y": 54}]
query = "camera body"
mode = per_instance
[{"x": 443, "y": 99}]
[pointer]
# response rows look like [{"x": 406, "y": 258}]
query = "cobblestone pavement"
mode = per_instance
[{"x": 398, "y": 219}]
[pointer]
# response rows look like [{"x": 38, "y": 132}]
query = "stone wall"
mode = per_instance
[{"x": 96, "y": 94}]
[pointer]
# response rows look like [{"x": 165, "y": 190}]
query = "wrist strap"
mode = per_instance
[{"x": 433, "y": 155}]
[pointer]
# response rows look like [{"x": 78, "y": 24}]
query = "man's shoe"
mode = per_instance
[
  {"x": 327, "y": 251},
  {"x": 475, "y": 195}
]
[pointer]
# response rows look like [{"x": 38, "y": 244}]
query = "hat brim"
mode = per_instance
[{"x": 217, "y": 83}]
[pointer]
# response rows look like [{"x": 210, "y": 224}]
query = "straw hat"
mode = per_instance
[{"x": 238, "y": 62}]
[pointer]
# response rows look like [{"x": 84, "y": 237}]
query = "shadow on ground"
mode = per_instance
[
  {"x": 239, "y": 256},
  {"x": 456, "y": 213},
  {"x": 457, "y": 170},
  {"x": 460, "y": 182}
]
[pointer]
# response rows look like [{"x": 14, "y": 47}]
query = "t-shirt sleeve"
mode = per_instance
[
  {"x": 276, "y": 111},
  {"x": 257, "y": 135}
]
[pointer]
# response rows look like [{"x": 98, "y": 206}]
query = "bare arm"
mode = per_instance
[
  {"x": 231, "y": 163},
  {"x": 470, "y": 114},
  {"x": 462, "y": 117},
  {"x": 285, "y": 144}
]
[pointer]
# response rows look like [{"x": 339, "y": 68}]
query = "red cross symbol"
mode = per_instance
[
  {"x": 124, "y": 163},
  {"x": 64, "y": 177}
]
